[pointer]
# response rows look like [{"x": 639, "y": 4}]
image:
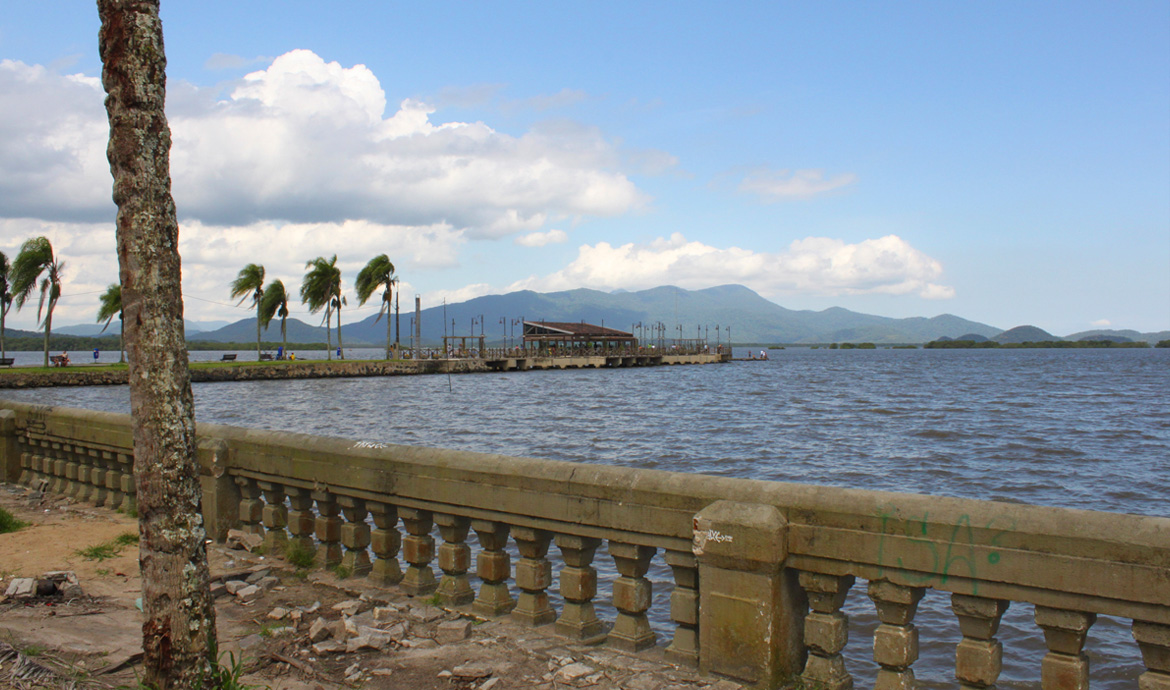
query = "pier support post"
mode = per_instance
[{"x": 751, "y": 608}]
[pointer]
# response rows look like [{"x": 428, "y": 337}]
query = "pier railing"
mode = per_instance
[{"x": 761, "y": 570}]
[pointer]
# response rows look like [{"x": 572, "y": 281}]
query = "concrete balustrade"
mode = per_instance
[{"x": 761, "y": 570}]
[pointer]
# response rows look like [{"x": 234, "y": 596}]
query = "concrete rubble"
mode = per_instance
[{"x": 59, "y": 583}]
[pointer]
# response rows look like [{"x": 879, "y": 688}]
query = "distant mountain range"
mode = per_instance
[{"x": 735, "y": 309}]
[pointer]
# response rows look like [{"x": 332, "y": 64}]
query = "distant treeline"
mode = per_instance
[
  {"x": 1065, "y": 344},
  {"x": 110, "y": 342},
  {"x": 60, "y": 342}
]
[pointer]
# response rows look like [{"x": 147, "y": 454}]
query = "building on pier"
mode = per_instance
[{"x": 560, "y": 336}]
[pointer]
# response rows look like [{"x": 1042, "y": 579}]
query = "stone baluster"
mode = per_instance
[
  {"x": 355, "y": 536},
  {"x": 494, "y": 567},
  {"x": 129, "y": 490},
  {"x": 301, "y": 521},
  {"x": 97, "y": 477},
  {"x": 895, "y": 642},
  {"x": 84, "y": 466},
  {"x": 454, "y": 560},
  {"x": 76, "y": 474},
  {"x": 26, "y": 473},
  {"x": 631, "y": 597},
  {"x": 36, "y": 465},
  {"x": 115, "y": 496},
  {"x": 59, "y": 479},
  {"x": 328, "y": 528},
  {"x": 979, "y": 656},
  {"x": 418, "y": 549},
  {"x": 826, "y": 630},
  {"x": 684, "y": 608},
  {"x": 533, "y": 577},
  {"x": 275, "y": 518},
  {"x": 1154, "y": 641},
  {"x": 1065, "y": 666},
  {"x": 251, "y": 507},
  {"x": 578, "y": 619},
  {"x": 39, "y": 468},
  {"x": 385, "y": 542}
]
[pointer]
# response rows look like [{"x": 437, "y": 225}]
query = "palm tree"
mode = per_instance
[
  {"x": 250, "y": 281},
  {"x": 34, "y": 263},
  {"x": 321, "y": 289},
  {"x": 378, "y": 273},
  {"x": 275, "y": 303},
  {"x": 111, "y": 307},
  {"x": 5, "y": 299}
]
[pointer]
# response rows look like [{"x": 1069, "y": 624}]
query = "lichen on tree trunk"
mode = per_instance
[{"x": 179, "y": 627}]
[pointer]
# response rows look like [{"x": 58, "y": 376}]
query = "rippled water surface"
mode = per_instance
[{"x": 1073, "y": 428}]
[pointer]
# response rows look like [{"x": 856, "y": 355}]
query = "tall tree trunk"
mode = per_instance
[
  {"x": 388, "y": 324},
  {"x": 329, "y": 333},
  {"x": 179, "y": 627},
  {"x": 121, "y": 340},
  {"x": 48, "y": 327},
  {"x": 340, "y": 347},
  {"x": 3, "y": 313},
  {"x": 283, "y": 337},
  {"x": 257, "y": 330}
]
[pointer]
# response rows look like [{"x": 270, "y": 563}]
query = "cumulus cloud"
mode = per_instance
[
  {"x": 1101, "y": 323},
  {"x": 53, "y": 135},
  {"x": 306, "y": 141},
  {"x": 781, "y": 185},
  {"x": 814, "y": 265},
  {"x": 540, "y": 239}
]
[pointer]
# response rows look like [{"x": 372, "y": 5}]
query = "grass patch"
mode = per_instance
[
  {"x": 342, "y": 572},
  {"x": 299, "y": 554},
  {"x": 108, "y": 549},
  {"x": 9, "y": 523}
]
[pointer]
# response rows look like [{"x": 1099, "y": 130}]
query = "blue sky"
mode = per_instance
[{"x": 1008, "y": 162}]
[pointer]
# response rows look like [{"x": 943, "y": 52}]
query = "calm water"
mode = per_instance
[{"x": 1074, "y": 428}]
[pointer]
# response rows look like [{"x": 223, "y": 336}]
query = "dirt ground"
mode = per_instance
[{"x": 94, "y": 641}]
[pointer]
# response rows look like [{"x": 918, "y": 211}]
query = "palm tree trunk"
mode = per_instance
[
  {"x": 283, "y": 337},
  {"x": 257, "y": 330},
  {"x": 329, "y": 333},
  {"x": 178, "y": 628},
  {"x": 388, "y": 324},
  {"x": 121, "y": 340},
  {"x": 340, "y": 347},
  {"x": 48, "y": 329},
  {"x": 3, "y": 352}
]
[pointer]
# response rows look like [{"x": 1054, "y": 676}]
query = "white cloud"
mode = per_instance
[
  {"x": 306, "y": 141},
  {"x": 814, "y": 265},
  {"x": 1101, "y": 323},
  {"x": 771, "y": 185},
  {"x": 53, "y": 135},
  {"x": 561, "y": 99},
  {"x": 540, "y": 239}
]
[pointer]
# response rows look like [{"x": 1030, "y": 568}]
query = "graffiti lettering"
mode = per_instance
[{"x": 938, "y": 560}]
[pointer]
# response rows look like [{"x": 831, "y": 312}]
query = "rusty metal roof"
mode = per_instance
[{"x": 568, "y": 329}]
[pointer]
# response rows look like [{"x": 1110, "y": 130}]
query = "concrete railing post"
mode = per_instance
[
  {"x": 221, "y": 496},
  {"x": 751, "y": 608},
  {"x": 9, "y": 448}
]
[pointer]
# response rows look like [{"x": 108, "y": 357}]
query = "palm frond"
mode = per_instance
[
  {"x": 111, "y": 305},
  {"x": 249, "y": 282},
  {"x": 35, "y": 258}
]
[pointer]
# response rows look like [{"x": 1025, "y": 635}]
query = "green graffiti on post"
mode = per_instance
[{"x": 956, "y": 555}]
